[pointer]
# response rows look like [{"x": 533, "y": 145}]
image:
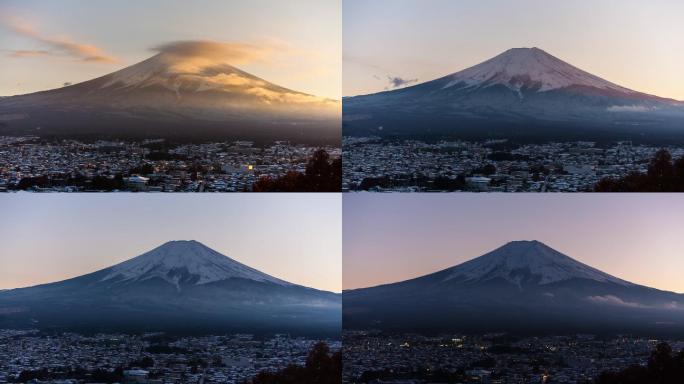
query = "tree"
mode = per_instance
[
  {"x": 320, "y": 368},
  {"x": 321, "y": 175},
  {"x": 444, "y": 183},
  {"x": 662, "y": 368},
  {"x": 662, "y": 176},
  {"x": 290, "y": 182},
  {"x": 489, "y": 169},
  {"x": 678, "y": 174},
  {"x": 145, "y": 362},
  {"x": 30, "y": 182},
  {"x": 660, "y": 170}
]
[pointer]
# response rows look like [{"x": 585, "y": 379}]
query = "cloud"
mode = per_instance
[
  {"x": 614, "y": 300},
  {"x": 56, "y": 46},
  {"x": 27, "y": 53},
  {"x": 204, "y": 59},
  {"x": 629, "y": 108},
  {"x": 197, "y": 56},
  {"x": 673, "y": 305},
  {"x": 207, "y": 58},
  {"x": 233, "y": 79},
  {"x": 396, "y": 82},
  {"x": 269, "y": 96},
  {"x": 229, "y": 52}
]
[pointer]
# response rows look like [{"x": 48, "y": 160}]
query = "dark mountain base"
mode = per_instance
[
  {"x": 88, "y": 129},
  {"x": 415, "y": 128}
]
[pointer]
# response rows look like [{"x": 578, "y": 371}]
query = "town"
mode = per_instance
[
  {"x": 373, "y": 357},
  {"x": 154, "y": 165},
  {"x": 371, "y": 163},
  {"x": 70, "y": 358}
]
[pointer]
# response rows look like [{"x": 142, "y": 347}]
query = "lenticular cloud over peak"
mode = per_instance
[{"x": 216, "y": 51}]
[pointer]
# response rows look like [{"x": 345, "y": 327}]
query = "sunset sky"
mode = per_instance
[
  {"x": 295, "y": 44},
  {"x": 394, "y": 237},
  {"x": 392, "y": 43},
  {"x": 52, "y": 237}
]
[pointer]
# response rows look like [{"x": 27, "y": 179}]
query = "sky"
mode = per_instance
[
  {"x": 45, "y": 44},
  {"x": 395, "y": 237},
  {"x": 51, "y": 237},
  {"x": 394, "y": 43}
]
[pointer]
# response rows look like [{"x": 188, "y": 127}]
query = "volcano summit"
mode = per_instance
[
  {"x": 522, "y": 93},
  {"x": 522, "y": 286},
  {"x": 174, "y": 96},
  {"x": 178, "y": 286}
]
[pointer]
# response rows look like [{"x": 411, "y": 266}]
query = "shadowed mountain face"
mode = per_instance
[
  {"x": 523, "y": 286},
  {"x": 180, "y": 286},
  {"x": 523, "y": 93},
  {"x": 165, "y": 96}
]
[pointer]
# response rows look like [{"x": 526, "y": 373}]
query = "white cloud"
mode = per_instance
[
  {"x": 629, "y": 108},
  {"x": 613, "y": 300}
]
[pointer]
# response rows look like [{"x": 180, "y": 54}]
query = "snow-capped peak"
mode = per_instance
[
  {"x": 529, "y": 68},
  {"x": 173, "y": 73},
  {"x": 527, "y": 262},
  {"x": 185, "y": 262}
]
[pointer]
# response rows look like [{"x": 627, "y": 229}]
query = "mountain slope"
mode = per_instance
[
  {"x": 521, "y": 93},
  {"x": 184, "y": 262},
  {"x": 180, "y": 286},
  {"x": 169, "y": 96},
  {"x": 529, "y": 69},
  {"x": 523, "y": 286}
]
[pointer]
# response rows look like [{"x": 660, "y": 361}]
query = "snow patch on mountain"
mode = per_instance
[
  {"x": 530, "y": 68},
  {"x": 187, "y": 262},
  {"x": 527, "y": 261}
]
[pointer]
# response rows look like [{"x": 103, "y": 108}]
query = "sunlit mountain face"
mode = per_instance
[
  {"x": 181, "y": 286},
  {"x": 522, "y": 93},
  {"x": 522, "y": 286},
  {"x": 177, "y": 95}
]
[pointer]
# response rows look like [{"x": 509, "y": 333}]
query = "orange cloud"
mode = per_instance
[
  {"x": 231, "y": 52},
  {"x": 57, "y": 45},
  {"x": 204, "y": 57},
  {"x": 28, "y": 53}
]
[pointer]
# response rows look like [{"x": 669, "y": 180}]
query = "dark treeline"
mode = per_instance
[
  {"x": 663, "y": 175},
  {"x": 663, "y": 367},
  {"x": 321, "y": 367},
  {"x": 96, "y": 183},
  {"x": 322, "y": 175},
  {"x": 440, "y": 183},
  {"x": 97, "y": 376}
]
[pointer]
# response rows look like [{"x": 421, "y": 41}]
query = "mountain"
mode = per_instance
[
  {"x": 523, "y": 286},
  {"x": 523, "y": 93},
  {"x": 170, "y": 96},
  {"x": 179, "y": 286}
]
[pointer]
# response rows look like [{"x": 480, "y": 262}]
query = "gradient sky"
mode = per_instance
[
  {"x": 51, "y": 237},
  {"x": 44, "y": 44},
  {"x": 394, "y": 237},
  {"x": 637, "y": 44}
]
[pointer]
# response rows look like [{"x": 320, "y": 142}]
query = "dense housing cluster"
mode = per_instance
[
  {"x": 490, "y": 358},
  {"x": 371, "y": 163},
  {"x": 32, "y": 163},
  {"x": 149, "y": 358}
]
